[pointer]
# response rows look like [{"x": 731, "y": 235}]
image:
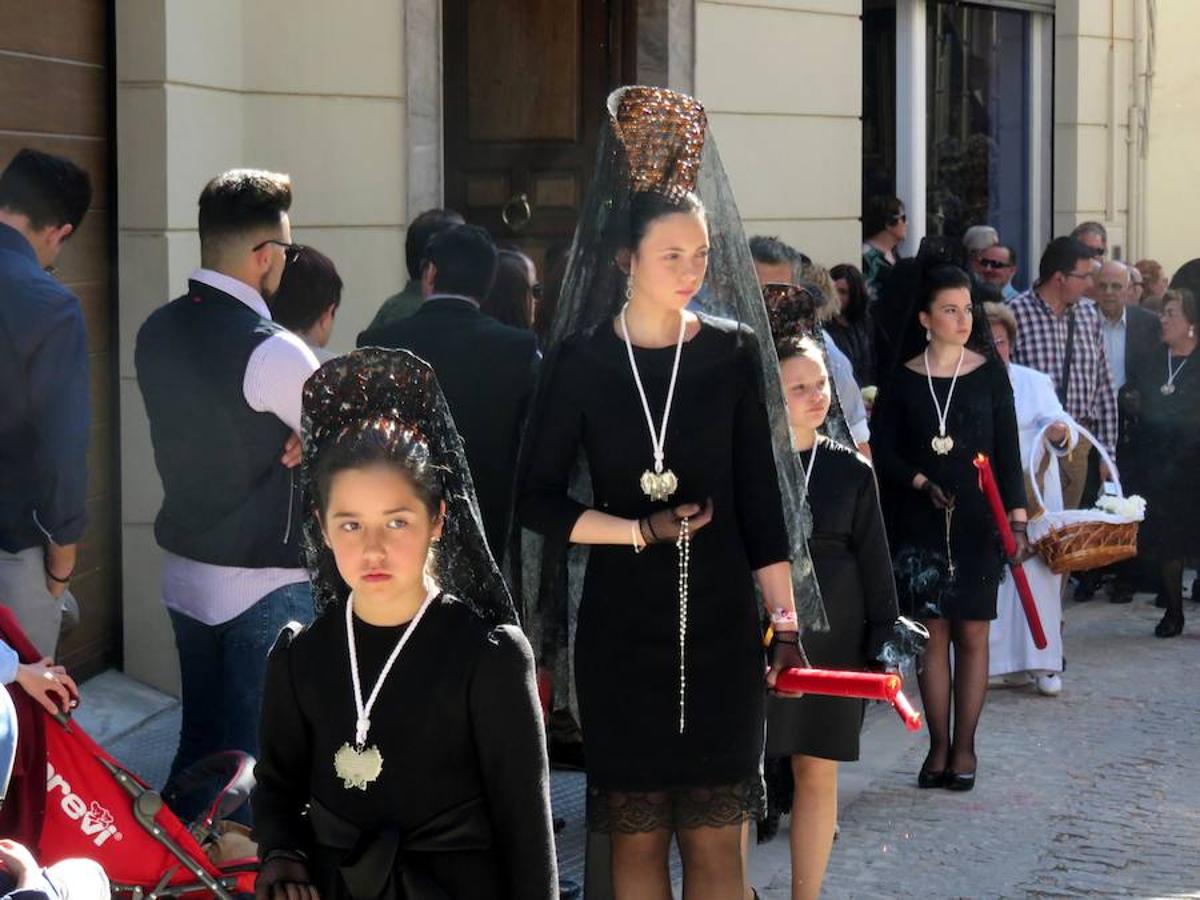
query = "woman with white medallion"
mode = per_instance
[
  {"x": 936, "y": 410},
  {"x": 682, "y": 510},
  {"x": 403, "y": 754}
]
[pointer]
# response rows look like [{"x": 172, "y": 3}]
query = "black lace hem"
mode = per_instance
[{"x": 675, "y": 809}]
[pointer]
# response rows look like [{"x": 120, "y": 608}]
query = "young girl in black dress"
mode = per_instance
[
  {"x": 850, "y": 555},
  {"x": 935, "y": 412},
  {"x": 402, "y": 747}
]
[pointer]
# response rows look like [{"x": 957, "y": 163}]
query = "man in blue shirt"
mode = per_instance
[{"x": 46, "y": 413}]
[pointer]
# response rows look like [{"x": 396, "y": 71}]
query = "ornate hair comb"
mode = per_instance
[
  {"x": 662, "y": 132},
  {"x": 392, "y": 392},
  {"x": 791, "y": 310}
]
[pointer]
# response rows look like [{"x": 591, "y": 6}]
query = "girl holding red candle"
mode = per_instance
[
  {"x": 850, "y": 557},
  {"x": 943, "y": 403}
]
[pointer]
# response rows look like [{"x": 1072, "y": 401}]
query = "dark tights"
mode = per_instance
[
  {"x": 966, "y": 689},
  {"x": 1171, "y": 577}
]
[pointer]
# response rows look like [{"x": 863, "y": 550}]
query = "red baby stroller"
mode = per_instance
[{"x": 72, "y": 799}]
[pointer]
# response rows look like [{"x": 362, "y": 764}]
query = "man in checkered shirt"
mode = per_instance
[{"x": 1043, "y": 315}]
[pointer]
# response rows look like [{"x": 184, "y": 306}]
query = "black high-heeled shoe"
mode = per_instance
[
  {"x": 959, "y": 781},
  {"x": 927, "y": 779},
  {"x": 1170, "y": 626}
]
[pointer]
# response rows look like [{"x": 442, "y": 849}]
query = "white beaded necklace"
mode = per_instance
[
  {"x": 812, "y": 459},
  {"x": 359, "y": 765},
  {"x": 661, "y": 483},
  {"x": 942, "y": 443}
]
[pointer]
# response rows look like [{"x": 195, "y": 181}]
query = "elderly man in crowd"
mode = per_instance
[
  {"x": 996, "y": 266},
  {"x": 1154, "y": 283},
  {"x": 1131, "y": 336},
  {"x": 978, "y": 238}
]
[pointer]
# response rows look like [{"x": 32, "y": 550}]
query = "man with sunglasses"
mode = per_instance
[
  {"x": 222, "y": 385},
  {"x": 996, "y": 265},
  {"x": 1059, "y": 333}
]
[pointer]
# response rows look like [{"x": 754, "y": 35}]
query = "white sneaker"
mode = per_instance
[{"x": 1049, "y": 684}]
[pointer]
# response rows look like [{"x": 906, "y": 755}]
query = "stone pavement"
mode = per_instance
[
  {"x": 1096, "y": 792},
  {"x": 1093, "y": 793}
]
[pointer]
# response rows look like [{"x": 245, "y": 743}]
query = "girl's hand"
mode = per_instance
[
  {"x": 284, "y": 877},
  {"x": 664, "y": 525},
  {"x": 785, "y": 653},
  {"x": 1058, "y": 434},
  {"x": 938, "y": 497}
]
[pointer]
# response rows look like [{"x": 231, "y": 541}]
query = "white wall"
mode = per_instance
[
  {"x": 1173, "y": 188},
  {"x": 277, "y": 84},
  {"x": 1093, "y": 78},
  {"x": 782, "y": 83}
]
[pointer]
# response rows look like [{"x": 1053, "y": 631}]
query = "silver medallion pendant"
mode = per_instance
[
  {"x": 1167, "y": 389},
  {"x": 357, "y": 767},
  {"x": 659, "y": 485},
  {"x": 942, "y": 444}
]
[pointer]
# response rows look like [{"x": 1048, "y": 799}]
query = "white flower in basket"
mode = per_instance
[
  {"x": 1130, "y": 509},
  {"x": 1074, "y": 540}
]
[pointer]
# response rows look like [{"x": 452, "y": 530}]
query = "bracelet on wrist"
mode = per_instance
[
  {"x": 55, "y": 578},
  {"x": 783, "y": 616}
]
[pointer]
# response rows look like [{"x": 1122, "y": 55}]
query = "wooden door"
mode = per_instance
[
  {"x": 525, "y": 84},
  {"x": 55, "y": 81}
]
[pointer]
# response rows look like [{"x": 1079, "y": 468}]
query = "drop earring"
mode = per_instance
[
  {"x": 629, "y": 288},
  {"x": 928, "y": 335}
]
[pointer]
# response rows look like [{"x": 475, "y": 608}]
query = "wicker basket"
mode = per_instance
[{"x": 1075, "y": 540}]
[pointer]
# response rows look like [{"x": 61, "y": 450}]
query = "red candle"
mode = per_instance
[
  {"x": 863, "y": 685},
  {"x": 987, "y": 484},
  {"x": 832, "y": 683},
  {"x": 912, "y": 718}
]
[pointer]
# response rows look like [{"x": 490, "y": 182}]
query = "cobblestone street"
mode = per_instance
[{"x": 1095, "y": 792}]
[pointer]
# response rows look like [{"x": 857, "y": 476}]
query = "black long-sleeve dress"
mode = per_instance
[
  {"x": 462, "y": 802},
  {"x": 982, "y": 419},
  {"x": 627, "y": 657},
  {"x": 1165, "y": 460},
  {"x": 850, "y": 557}
]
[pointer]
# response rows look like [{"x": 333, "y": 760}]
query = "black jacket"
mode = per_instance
[
  {"x": 1143, "y": 342},
  {"x": 486, "y": 371}
]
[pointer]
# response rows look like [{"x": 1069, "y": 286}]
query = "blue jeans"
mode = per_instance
[{"x": 222, "y": 668}]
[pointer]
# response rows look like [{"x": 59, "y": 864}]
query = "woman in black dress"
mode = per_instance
[
  {"x": 850, "y": 555},
  {"x": 1166, "y": 453},
  {"x": 669, "y": 664},
  {"x": 402, "y": 747},
  {"x": 934, "y": 414}
]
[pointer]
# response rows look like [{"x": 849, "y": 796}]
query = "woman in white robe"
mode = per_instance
[{"x": 1011, "y": 650}]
